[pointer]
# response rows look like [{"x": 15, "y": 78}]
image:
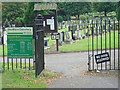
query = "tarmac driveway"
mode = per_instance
[{"x": 73, "y": 67}]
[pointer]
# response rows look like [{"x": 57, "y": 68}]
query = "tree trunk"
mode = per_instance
[
  {"x": 78, "y": 17},
  {"x": 105, "y": 13}
]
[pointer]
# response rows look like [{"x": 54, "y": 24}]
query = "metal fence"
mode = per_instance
[
  {"x": 17, "y": 63},
  {"x": 106, "y": 38}
]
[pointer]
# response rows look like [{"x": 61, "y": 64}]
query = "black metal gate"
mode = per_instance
[
  {"x": 104, "y": 36},
  {"x": 39, "y": 44}
]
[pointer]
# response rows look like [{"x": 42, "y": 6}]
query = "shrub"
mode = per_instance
[
  {"x": 19, "y": 21},
  {"x": 83, "y": 37},
  {"x": 6, "y": 24},
  {"x": 60, "y": 18},
  {"x": 118, "y": 13},
  {"x": 82, "y": 17}
]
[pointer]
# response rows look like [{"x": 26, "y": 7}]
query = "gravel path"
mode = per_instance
[{"x": 73, "y": 67}]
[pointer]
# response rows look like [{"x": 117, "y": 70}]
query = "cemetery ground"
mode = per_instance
[
  {"x": 71, "y": 68},
  {"x": 78, "y": 45}
]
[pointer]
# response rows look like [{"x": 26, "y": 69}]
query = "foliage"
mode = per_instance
[
  {"x": 12, "y": 10},
  {"x": 67, "y": 9},
  {"x": 82, "y": 17},
  {"x": 118, "y": 11},
  {"x": 29, "y": 15},
  {"x": 104, "y": 6},
  {"x": 19, "y": 21},
  {"x": 6, "y": 23},
  {"x": 60, "y": 18}
]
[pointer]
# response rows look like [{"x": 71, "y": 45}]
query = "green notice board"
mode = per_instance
[{"x": 20, "y": 42}]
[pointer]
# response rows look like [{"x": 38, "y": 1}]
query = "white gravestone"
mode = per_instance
[
  {"x": 60, "y": 41},
  {"x": 78, "y": 27},
  {"x": 78, "y": 34},
  {"x": 67, "y": 36}
]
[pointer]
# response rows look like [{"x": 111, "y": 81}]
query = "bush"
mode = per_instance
[
  {"x": 6, "y": 24},
  {"x": 83, "y": 37},
  {"x": 82, "y": 17},
  {"x": 60, "y": 18},
  {"x": 19, "y": 21},
  {"x": 118, "y": 13}
]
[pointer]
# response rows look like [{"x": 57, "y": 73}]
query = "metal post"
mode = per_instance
[
  {"x": 88, "y": 52},
  {"x": 29, "y": 63},
  {"x": 105, "y": 44},
  {"x": 93, "y": 44},
  {"x": 97, "y": 38},
  {"x": 118, "y": 45},
  {"x": 114, "y": 44},
  {"x": 3, "y": 48},
  {"x": 25, "y": 63},
  {"x": 57, "y": 47},
  {"x": 12, "y": 63},
  {"x": 110, "y": 43},
  {"x": 101, "y": 41},
  {"x": 16, "y": 62}
]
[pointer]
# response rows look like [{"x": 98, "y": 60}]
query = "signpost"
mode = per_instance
[
  {"x": 104, "y": 57},
  {"x": 55, "y": 36},
  {"x": 20, "y": 42},
  {"x": 43, "y": 24}
]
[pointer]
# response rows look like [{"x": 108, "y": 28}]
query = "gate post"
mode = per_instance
[{"x": 39, "y": 44}]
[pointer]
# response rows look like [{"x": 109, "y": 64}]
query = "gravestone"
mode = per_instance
[
  {"x": 98, "y": 29},
  {"x": 60, "y": 41},
  {"x": 63, "y": 26},
  {"x": 67, "y": 26},
  {"x": 78, "y": 34},
  {"x": 46, "y": 44},
  {"x": 80, "y": 21},
  {"x": 68, "y": 38},
  {"x": 75, "y": 35}
]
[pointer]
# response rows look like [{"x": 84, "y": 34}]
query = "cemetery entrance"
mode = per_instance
[{"x": 103, "y": 41}]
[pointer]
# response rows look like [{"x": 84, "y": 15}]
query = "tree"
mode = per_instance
[
  {"x": 104, "y": 6},
  {"x": 29, "y": 15},
  {"x": 67, "y": 9},
  {"x": 60, "y": 18},
  {"x": 12, "y": 10},
  {"x": 81, "y": 8},
  {"x": 118, "y": 11}
]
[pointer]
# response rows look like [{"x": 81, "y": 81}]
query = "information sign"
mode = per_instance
[
  {"x": 50, "y": 24},
  {"x": 55, "y": 36},
  {"x": 104, "y": 57},
  {"x": 20, "y": 42}
]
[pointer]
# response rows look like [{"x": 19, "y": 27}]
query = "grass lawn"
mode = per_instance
[
  {"x": 82, "y": 45},
  {"x": 26, "y": 79}
]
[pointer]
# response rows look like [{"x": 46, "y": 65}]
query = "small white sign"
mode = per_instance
[{"x": 51, "y": 23}]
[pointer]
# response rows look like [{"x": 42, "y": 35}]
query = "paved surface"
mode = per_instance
[{"x": 73, "y": 67}]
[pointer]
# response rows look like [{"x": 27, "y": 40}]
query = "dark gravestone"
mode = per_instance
[{"x": 46, "y": 44}]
